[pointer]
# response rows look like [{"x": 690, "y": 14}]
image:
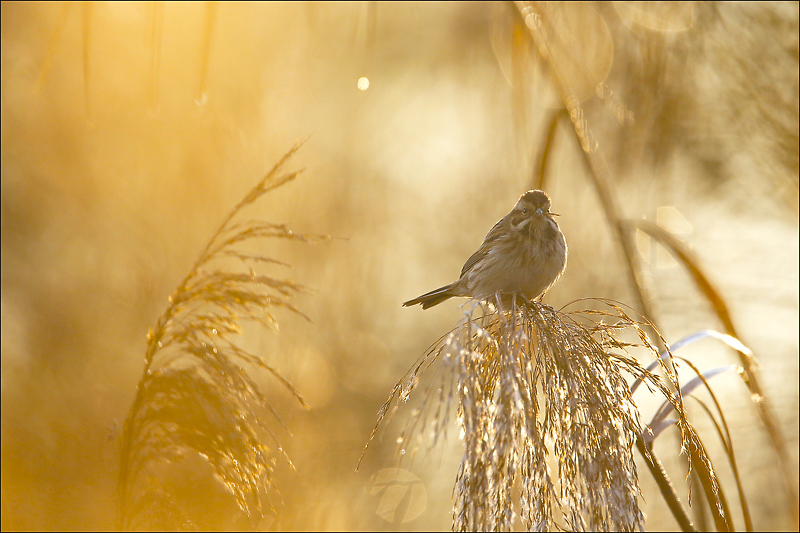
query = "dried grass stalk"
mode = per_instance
[
  {"x": 197, "y": 396},
  {"x": 533, "y": 386}
]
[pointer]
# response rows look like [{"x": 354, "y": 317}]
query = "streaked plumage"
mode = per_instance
[{"x": 523, "y": 254}]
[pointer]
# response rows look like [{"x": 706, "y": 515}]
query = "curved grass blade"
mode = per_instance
[{"x": 686, "y": 258}]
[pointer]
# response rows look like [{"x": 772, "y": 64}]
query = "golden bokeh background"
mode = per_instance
[{"x": 129, "y": 130}]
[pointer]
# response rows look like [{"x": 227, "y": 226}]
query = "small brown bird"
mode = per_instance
[{"x": 522, "y": 255}]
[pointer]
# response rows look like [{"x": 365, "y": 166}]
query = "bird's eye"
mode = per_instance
[{"x": 524, "y": 210}]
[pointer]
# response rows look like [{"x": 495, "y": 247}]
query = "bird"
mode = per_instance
[{"x": 522, "y": 256}]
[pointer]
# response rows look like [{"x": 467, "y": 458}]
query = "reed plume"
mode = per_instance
[
  {"x": 534, "y": 387},
  {"x": 198, "y": 395}
]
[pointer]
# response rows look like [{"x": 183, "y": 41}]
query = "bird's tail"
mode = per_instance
[{"x": 429, "y": 299}]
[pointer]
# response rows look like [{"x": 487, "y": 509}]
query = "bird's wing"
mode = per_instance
[
  {"x": 474, "y": 258},
  {"x": 495, "y": 233}
]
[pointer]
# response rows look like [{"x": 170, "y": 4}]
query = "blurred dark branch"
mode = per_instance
[{"x": 540, "y": 169}]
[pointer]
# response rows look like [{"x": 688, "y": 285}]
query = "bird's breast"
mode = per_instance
[{"x": 527, "y": 261}]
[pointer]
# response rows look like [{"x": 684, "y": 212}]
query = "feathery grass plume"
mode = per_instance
[
  {"x": 197, "y": 396},
  {"x": 534, "y": 384}
]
